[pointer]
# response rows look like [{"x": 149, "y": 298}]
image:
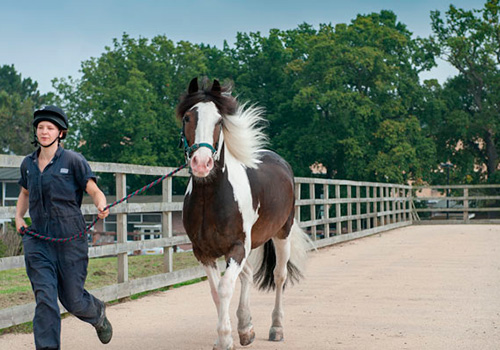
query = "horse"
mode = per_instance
[{"x": 240, "y": 197}]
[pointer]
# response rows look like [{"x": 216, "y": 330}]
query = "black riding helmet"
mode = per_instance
[{"x": 52, "y": 114}]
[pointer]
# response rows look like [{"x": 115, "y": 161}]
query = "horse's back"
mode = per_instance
[{"x": 273, "y": 173}]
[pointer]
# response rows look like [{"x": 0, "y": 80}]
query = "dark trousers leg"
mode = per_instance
[
  {"x": 72, "y": 273},
  {"x": 41, "y": 270}
]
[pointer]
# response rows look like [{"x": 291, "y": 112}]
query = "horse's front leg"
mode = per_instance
[
  {"x": 225, "y": 292},
  {"x": 213, "y": 276},
  {"x": 245, "y": 327},
  {"x": 282, "y": 250}
]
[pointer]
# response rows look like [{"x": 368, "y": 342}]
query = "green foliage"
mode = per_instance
[
  {"x": 18, "y": 99},
  {"x": 326, "y": 92},
  {"x": 347, "y": 96},
  {"x": 349, "y": 81},
  {"x": 125, "y": 105},
  {"x": 402, "y": 151},
  {"x": 470, "y": 41}
]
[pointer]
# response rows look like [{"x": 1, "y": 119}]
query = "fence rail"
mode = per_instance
[
  {"x": 331, "y": 211},
  {"x": 456, "y": 204}
]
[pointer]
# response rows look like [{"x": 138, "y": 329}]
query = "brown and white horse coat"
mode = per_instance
[{"x": 240, "y": 197}]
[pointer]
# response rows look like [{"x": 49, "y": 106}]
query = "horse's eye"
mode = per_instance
[{"x": 186, "y": 119}]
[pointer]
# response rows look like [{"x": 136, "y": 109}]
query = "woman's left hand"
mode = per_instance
[{"x": 102, "y": 213}]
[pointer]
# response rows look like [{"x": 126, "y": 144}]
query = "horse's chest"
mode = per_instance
[{"x": 213, "y": 222}]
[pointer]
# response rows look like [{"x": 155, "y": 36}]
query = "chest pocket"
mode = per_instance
[{"x": 63, "y": 187}]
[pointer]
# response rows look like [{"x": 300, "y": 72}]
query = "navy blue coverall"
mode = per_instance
[{"x": 57, "y": 269}]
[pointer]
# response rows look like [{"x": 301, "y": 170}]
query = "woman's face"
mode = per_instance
[{"x": 47, "y": 132}]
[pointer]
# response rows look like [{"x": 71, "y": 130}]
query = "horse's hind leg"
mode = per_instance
[
  {"x": 282, "y": 249},
  {"x": 245, "y": 327}
]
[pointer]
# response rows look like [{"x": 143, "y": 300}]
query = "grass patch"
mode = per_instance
[
  {"x": 20, "y": 328},
  {"x": 15, "y": 287}
]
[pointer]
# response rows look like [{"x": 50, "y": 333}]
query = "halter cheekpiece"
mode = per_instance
[{"x": 188, "y": 150}]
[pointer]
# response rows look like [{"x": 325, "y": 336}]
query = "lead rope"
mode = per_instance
[{"x": 33, "y": 233}]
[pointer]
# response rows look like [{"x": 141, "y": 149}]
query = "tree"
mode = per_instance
[
  {"x": 349, "y": 80},
  {"x": 18, "y": 99},
  {"x": 125, "y": 101},
  {"x": 470, "y": 41},
  {"x": 327, "y": 92}
]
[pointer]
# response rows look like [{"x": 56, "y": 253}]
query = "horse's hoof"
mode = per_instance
[
  {"x": 228, "y": 348},
  {"x": 247, "y": 338},
  {"x": 276, "y": 334}
]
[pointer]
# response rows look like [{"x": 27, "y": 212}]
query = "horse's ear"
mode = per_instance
[
  {"x": 216, "y": 89},
  {"x": 193, "y": 86}
]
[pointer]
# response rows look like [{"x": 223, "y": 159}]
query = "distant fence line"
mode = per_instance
[{"x": 331, "y": 211}]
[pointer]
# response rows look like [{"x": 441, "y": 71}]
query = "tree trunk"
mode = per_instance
[{"x": 491, "y": 153}]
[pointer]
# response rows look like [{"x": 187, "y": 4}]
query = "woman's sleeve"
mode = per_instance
[
  {"x": 83, "y": 172},
  {"x": 23, "y": 180}
]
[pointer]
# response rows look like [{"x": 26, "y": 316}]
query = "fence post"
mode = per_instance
[
  {"x": 121, "y": 228},
  {"x": 312, "y": 208},
  {"x": 349, "y": 208},
  {"x": 326, "y": 210},
  {"x": 466, "y": 205},
  {"x": 394, "y": 205},
  {"x": 399, "y": 204},
  {"x": 297, "y": 198},
  {"x": 358, "y": 208},
  {"x": 166, "y": 225},
  {"x": 368, "y": 208},
  {"x": 404, "y": 203},
  {"x": 338, "y": 211},
  {"x": 383, "y": 204},
  {"x": 408, "y": 205}
]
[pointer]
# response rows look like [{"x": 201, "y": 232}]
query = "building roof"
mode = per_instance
[{"x": 9, "y": 174}]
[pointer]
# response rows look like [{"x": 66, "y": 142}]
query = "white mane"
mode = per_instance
[{"x": 244, "y": 136}]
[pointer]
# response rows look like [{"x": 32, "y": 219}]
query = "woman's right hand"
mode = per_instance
[{"x": 20, "y": 223}]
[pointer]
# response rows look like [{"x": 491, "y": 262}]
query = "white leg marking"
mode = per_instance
[
  {"x": 225, "y": 291},
  {"x": 282, "y": 248},
  {"x": 213, "y": 275},
  {"x": 244, "y": 317}
]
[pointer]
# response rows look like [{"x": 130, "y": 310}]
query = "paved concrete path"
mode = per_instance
[{"x": 421, "y": 287}]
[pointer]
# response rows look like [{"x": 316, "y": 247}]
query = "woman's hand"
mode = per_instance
[
  {"x": 102, "y": 213},
  {"x": 20, "y": 223},
  {"x": 99, "y": 199},
  {"x": 21, "y": 209}
]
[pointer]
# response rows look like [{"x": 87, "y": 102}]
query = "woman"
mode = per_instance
[{"x": 52, "y": 183}]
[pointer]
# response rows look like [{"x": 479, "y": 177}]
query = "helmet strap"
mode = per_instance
[
  {"x": 36, "y": 143},
  {"x": 56, "y": 139}
]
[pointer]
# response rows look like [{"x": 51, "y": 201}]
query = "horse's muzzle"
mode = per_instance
[{"x": 201, "y": 163}]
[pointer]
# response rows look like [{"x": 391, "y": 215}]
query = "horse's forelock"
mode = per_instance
[{"x": 226, "y": 104}]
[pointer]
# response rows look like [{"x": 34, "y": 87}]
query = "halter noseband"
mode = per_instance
[{"x": 188, "y": 150}]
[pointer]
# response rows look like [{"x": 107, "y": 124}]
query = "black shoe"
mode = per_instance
[{"x": 103, "y": 327}]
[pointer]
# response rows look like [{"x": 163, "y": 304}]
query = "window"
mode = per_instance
[{"x": 11, "y": 190}]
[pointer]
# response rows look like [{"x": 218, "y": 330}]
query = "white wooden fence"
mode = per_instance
[{"x": 331, "y": 211}]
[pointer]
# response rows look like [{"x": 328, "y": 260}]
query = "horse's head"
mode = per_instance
[{"x": 202, "y": 113}]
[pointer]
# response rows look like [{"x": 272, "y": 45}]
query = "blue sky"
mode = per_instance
[{"x": 50, "y": 38}]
